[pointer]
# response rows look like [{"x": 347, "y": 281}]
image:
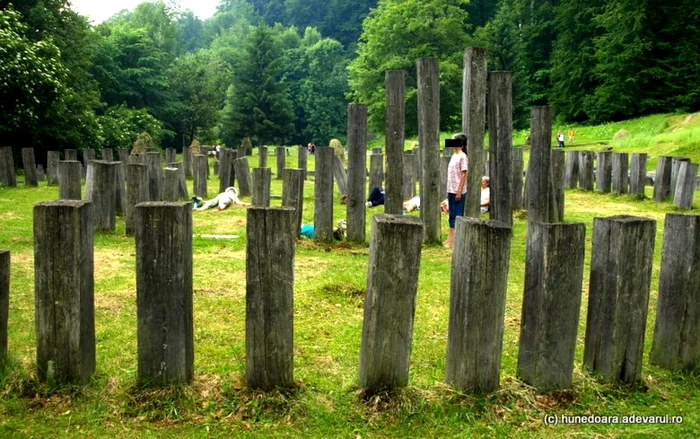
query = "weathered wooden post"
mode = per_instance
[
  {"x": 539, "y": 170},
  {"x": 685, "y": 186},
  {"x": 638, "y": 175},
  {"x": 618, "y": 298},
  {"x": 551, "y": 304},
  {"x": 620, "y": 175},
  {"x": 137, "y": 192},
  {"x": 164, "y": 293},
  {"x": 7, "y": 167},
  {"x": 302, "y": 154},
  {"x": 444, "y": 164},
  {"x": 417, "y": 165},
  {"x": 201, "y": 165},
  {"x": 182, "y": 180},
  {"x": 518, "y": 165},
  {"x": 603, "y": 175},
  {"x": 88, "y": 155},
  {"x": 478, "y": 286},
  {"x": 339, "y": 174},
  {"x": 501, "y": 145},
  {"x": 357, "y": 172},
  {"x": 676, "y": 344},
  {"x": 392, "y": 284},
  {"x": 123, "y": 157},
  {"x": 226, "y": 172},
  {"x": 101, "y": 189},
  {"x": 107, "y": 154},
  {"x": 409, "y": 182},
  {"x": 662, "y": 178},
  {"x": 474, "y": 80},
  {"x": 280, "y": 161},
  {"x": 52, "y": 159},
  {"x": 557, "y": 186},
  {"x": 571, "y": 177},
  {"x": 155, "y": 176},
  {"x": 29, "y": 165},
  {"x": 170, "y": 155},
  {"x": 242, "y": 171},
  {"x": 429, "y": 141},
  {"x": 120, "y": 189},
  {"x": 64, "y": 291},
  {"x": 187, "y": 161},
  {"x": 69, "y": 180},
  {"x": 171, "y": 184},
  {"x": 323, "y": 194},
  {"x": 675, "y": 168},
  {"x": 293, "y": 195},
  {"x": 585, "y": 170},
  {"x": 394, "y": 131},
  {"x": 261, "y": 187},
  {"x": 70, "y": 154},
  {"x": 4, "y": 302},
  {"x": 262, "y": 150},
  {"x": 376, "y": 172},
  {"x": 269, "y": 297}
]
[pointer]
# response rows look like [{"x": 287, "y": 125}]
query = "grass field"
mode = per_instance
[{"x": 328, "y": 303}]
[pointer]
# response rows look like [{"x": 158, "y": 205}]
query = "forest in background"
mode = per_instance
[{"x": 283, "y": 71}]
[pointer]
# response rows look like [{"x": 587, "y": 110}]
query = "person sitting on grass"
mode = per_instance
[
  {"x": 377, "y": 198},
  {"x": 223, "y": 200},
  {"x": 485, "y": 204}
]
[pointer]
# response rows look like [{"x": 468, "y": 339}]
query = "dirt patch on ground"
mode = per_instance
[{"x": 110, "y": 262}]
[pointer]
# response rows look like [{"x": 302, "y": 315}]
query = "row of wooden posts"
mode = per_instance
[{"x": 620, "y": 276}]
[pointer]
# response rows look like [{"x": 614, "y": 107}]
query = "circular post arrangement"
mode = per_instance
[
  {"x": 392, "y": 284},
  {"x": 394, "y": 129},
  {"x": 269, "y": 297},
  {"x": 64, "y": 291},
  {"x": 618, "y": 297},
  {"x": 357, "y": 171},
  {"x": 165, "y": 329},
  {"x": 620, "y": 173}
]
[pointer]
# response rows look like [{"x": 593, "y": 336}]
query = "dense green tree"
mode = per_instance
[
  {"x": 481, "y": 11},
  {"x": 395, "y": 36},
  {"x": 121, "y": 126},
  {"x": 191, "y": 31},
  {"x": 257, "y": 104}
]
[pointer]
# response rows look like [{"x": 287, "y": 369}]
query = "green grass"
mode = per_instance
[{"x": 328, "y": 303}]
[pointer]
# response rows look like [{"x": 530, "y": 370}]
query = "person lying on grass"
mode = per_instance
[{"x": 223, "y": 200}]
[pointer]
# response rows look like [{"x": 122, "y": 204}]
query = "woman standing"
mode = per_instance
[{"x": 456, "y": 185}]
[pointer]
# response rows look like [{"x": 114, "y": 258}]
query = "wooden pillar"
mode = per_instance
[
  {"x": 478, "y": 286},
  {"x": 474, "y": 82},
  {"x": 187, "y": 161},
  {"x": 242, "y": 171},
  {"x": 262, "y": 150},
  {"x": 409, "y": 182},
  {"x": 357, "y": 171},
  {"x": 339, "y": 174},
  {"x": 70, "y": 154},
  {"x": 7, "y": 167},
  {"x": 171, "y": 185},
  {"x": 52, "y": 159},
  {"x": 676, "y": 344},
  {"x": 585, "y": 170},
  {"x": 269, "y": 297},
  {"x": 164, "y": 293},
  {"x": 69, "y": 180},
  {"x": 603, "y": 180},
  {"x": 280, "y": 161},
  {"x": 123, "y": 157},
  {"x": 620, "y": 175},
  {"x": 675, "y": 168},
  {"x": 638, "y": 175},
  {"x": 200, "y": 167},
  {"x": 183, "y": 193},
  {"x": 170, "y": 155},
  {"x": 392, "y": 284},
  {"x": 394, "y": 131},
  {"x": 444, "y": 164},
  {"x": 662, "y": 179},
  {"x": 685, "y": 186},
  {"x": 155, "y": 176},
  {"x": 302, "y": 154},
  {"x": 571, "y": 176},
  {"x": 226, "y": 172},
  {"x": 137, "y": 192},
  {"x": 29, "y": 165},
  {"x": 376, "y": 173},
  {"x": 539, "y": 170},
  {"x": 551, "y": 304},
  {"x": 64, "y": 291},
  {"x": 101, "y": 189},
  {"x": 293, "y": 195},
  {"x": 4, "y": 303},
  {"x": 323, "y": 194},
  {"x": 618, "y": 297},
  {"x": 261, "y": 187},
  {"x": 557, "y": 186},
  {"x": 501, "y": 145},
  {"x": 107, "y": 154},
  {"x": 429, "y": 141},
  {"x": 518, "y": 165}
]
